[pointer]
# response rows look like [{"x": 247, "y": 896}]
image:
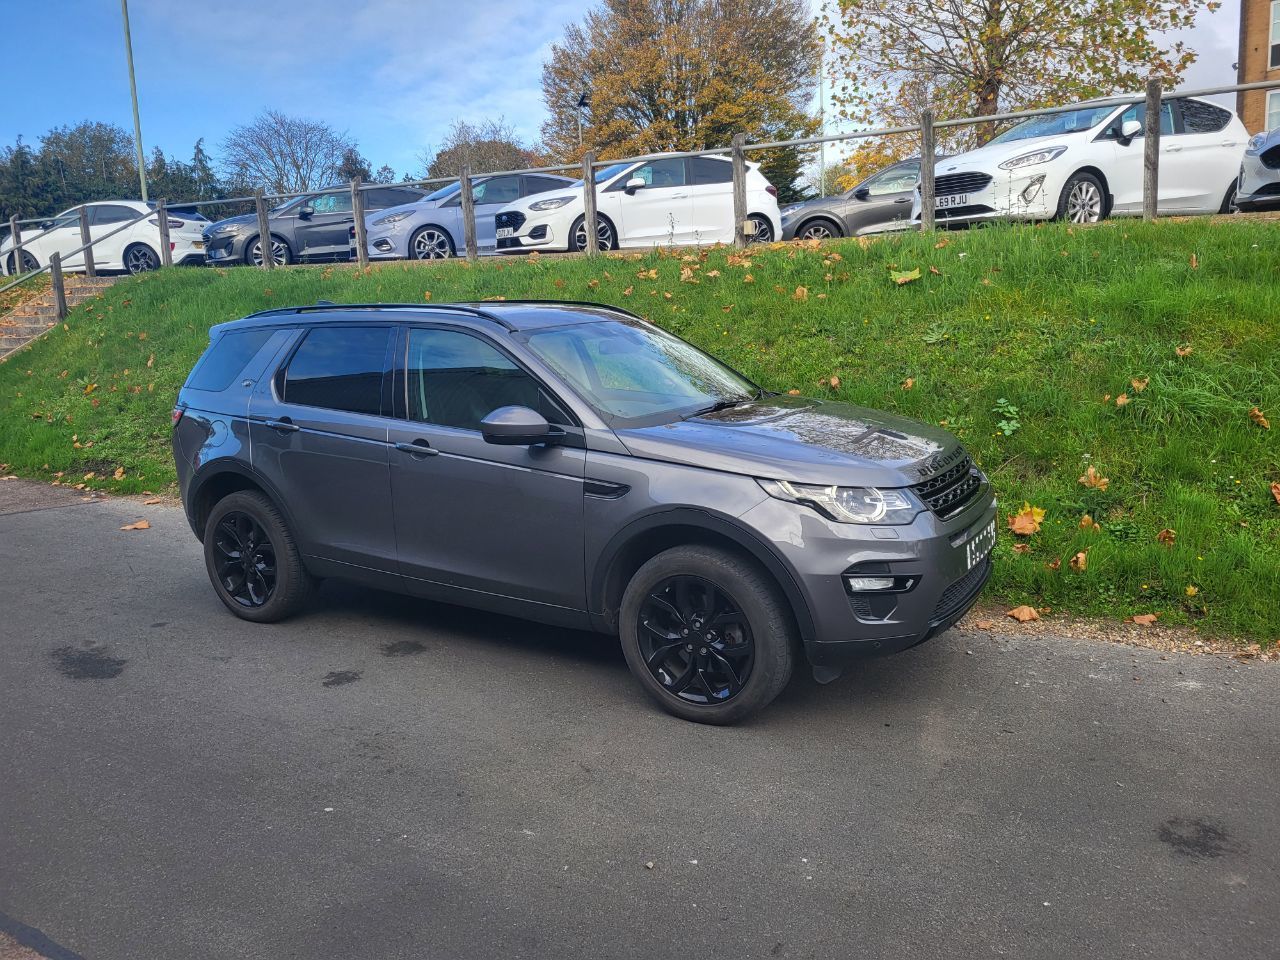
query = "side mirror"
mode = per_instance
[
  {"x": 862, "y": 193},
  {"x": 515, "y": 426},
  {"x": 634, "y": 184},
  {"x": 46, "y": 224},
  {"x": 1130, "y": 129},
  {"x": 306, "y": 211}
]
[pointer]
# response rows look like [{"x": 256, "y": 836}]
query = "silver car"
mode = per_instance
[
  {"x": 431, "y": 228},
  {"x": 1259, "y": 187},
  {"x": 883, "y": 198}
]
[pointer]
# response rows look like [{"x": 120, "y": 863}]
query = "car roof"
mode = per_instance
[{"x": 512, "y": 315}]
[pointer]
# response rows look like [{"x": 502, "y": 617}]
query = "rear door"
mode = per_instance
[
  {"x": 661, "y": 212},
  {"x": 104, "y": 218},
  {"x": 318, "y": 435},
  {"x": 712, "y": 187},
  {"x": 324, "y": 232},
  {"x": 1210, "y": 155}
]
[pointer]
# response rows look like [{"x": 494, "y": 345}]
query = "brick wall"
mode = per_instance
[{"x": 1255, "y": 54}]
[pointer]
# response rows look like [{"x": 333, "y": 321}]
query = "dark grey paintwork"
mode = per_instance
[
  {"x": 855, "y": 211},
  {"x": 545, "y": 531}
]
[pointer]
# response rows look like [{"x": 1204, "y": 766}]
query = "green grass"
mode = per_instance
[{"x": 1047, "y": 318}]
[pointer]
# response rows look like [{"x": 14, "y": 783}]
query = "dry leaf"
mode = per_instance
[
  {"x": 935, "y": 271},
  {"x": 648, "y": 274},
  {"x": 1088, "y": 523},
  {"x": 902, "y": 277},
  {"x": 1194, "y": 262},
  {"x": 140, "y": 525},
  {"x": 802, "y": 294},
  {"x": 834, "y": 382},
  {"x": 793, "y": 393},
  {"x": 908, "y": 383},
  {"x": 1167, "y": 537},
  {"x": 151, "y": 360},
  {"x": 627, "y": 292},
  {"x": 593, "y": 283},
  {"x": 1275, "y": 491},
  {"x": 1183, "y": 351},
  {"x": 90, "y": 388},
  {"x": 1256, "y": 416},
  {"x": 1080, "y": 562},
  {"x": 1143, "y": 619},
  {"x": 1027, "y": 520},
  {"x": 1054, "y": 564},
  {"x": 1139, "y": 385},
  {"x": 1122, "y": 400},
  {"x": 152, "y": 502},
  {"x": 941, "y": 243},
  {"x": 748, "y": 278},
  {"x": 90, "y": 475},
  {"x": 985, "y": 624},
  {"x": 1094, "y": 480},
  {"x": 1022, "y": 548},
  {"x": 713, "y": 273},
  {"x": 119, "y": 474},
  {"x": 1023, "y": 614}
]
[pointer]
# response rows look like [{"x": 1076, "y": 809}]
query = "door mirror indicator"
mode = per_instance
[
  {"x": 515, "y": 426},
  {"x": 634, "y": 184}
]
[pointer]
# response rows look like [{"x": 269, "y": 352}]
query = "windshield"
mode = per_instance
[
  {"x": 632, "y": 373},
  {"x": 1053, "y": 124},
  {"x": 608, "y": 173},
  {"x": 446, "y": 191},
  {"x": 287, "y": 204}
]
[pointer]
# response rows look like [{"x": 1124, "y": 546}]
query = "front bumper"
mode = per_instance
[
  {"x": 531, "y": 232},
  {"x": 946, "y": 562},
  {"x": 1259, "y": 182},
  {"x": 1030, "y": 194},
  {"x": 224, "y": 248}
]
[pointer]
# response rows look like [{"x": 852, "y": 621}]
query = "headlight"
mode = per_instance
[
  {"x": 847, "y": 504},
  {"x": 392, "y": 218},
  {"x": 1256, "y": 142},
  {"x": 553, "y": 204},
  {"x": 1031, "y": 159}
]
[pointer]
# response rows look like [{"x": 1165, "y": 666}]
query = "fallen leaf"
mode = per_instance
[
  {"x": 834, "y": 382},
  {"x": 935, "y": 271},
  {"x": 119, "y": 474},
  {"x": 151, "y": 360},
  {"x": 985, "y": 624},
  {"x": 1054, "y": 564},
  {"x": 1275, "y": 491},
  {"x": 593, "y": 283},
  {"x": 1256, "y": 416},
  {"x": 793, "y": 393},
  {"x": 802, "y": 294},
  {"x": 140, "y": 525},
  {"x": 748, "y": 278},
  {"x": 1191, "y": 591},
  {"x": 1194, "y": 262},
  {"x": 908, "y": 383},
  {"x": 627, "y": 292},
  {"x": 1167, "y": 537},
  {"x": 1183, "y": 351},
  {"x": 1139, "y": 385},
  {"x": 1027, "y": 520},
  {"x": 1022, "y": 548},
  {"x": 152, "y": 502},
  {"x": 1143, "y": 619},
  {"x": 713, "y": 273},
  {"x": 1080, "y": 562},
  {"x": 941, "y": 243},
  {"x": 1122, "y": 400},
  {"x": 1088, "y": 523},
  {"x": 1023, "y": 614},
  {"x": 902, "y": 277},
  {"x": 648, "y": 274},
  {"x": 90, "y": 388},
  {"x": 426, "y": 294},
  {"x": 1094, "y": 480},
  {"x": 90, "y": 475}
]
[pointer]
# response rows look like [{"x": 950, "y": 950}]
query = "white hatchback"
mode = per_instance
[
  {"x": 666, "y": 201},
  {"x": 134, "y": 249},
  {"x": 1086, "y": 164}
]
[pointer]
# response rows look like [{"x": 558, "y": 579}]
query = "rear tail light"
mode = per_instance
[
  {"x": 176, "y": 415},
  {"x": 771, "y": 190},
  {"x": 172, "y": 246},
  {"x": 173, "y": 224}
]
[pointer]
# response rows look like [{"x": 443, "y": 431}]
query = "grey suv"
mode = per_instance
[{"x": 573, "y": 464}]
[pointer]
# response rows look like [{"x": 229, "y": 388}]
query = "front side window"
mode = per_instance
[
  {"x": 632, "y": 373},
  {"x": 456, "y": 380},
  {"x": 331, "y": 203},
  {"x": 536, "y": 184},
  {"x": 1138, "y": 111},
  {"x": 898, "y": 179},
  {"x": 656, "y": 174},
  {"x": 339, "y": 368}
]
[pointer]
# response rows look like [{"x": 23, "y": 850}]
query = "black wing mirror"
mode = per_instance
[
  {"x": 515, "y": 427},
  {"x": 862, "y": 193},
  {"x": 306, "y": 211}
]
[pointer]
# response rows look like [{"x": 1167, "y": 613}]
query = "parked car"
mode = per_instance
[
  {"x": 667, "y": 201},
  {"x": 884, "y": 197},
  {"x": 311, "y": 228},
  {"x": 432, "y": 229},
  {"x": 1260, "y": 173},
  {"x": 1086, "y": 164},
  {"x": 573, "y": 464},
  {"x": 134, "y": 249}
]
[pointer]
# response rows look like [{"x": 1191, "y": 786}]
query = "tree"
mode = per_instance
[
  {"x": 977, "y": 57},
  {"x": 684, "y": 75},
  {"x": 488, "y": 146},
  {"x": 285, "y": 154},
  {"x": 833, "y": 178},
  {"x": 384, "y": 174},
  {"x": 353, "y": 165}
]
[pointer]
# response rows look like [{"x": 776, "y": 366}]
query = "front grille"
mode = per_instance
[
  {"x": 959, "y": 594},
  {"x": 972, "y": 210},
  {"x": 1268, "y": 189},
  {"x": 949, "y": 492},
  {"x": 950, "y": 183},
  {"x": 1271, "y": 158},
  {"x": 512, "y": 218}
]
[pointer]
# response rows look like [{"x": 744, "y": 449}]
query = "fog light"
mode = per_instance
[
  {"x": 383, "y": 246},
  {"x": 861, "y": 584},
  {"x": 1031, "y": 189}
]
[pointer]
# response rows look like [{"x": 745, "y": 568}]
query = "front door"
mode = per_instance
[
  {"x": 883, "y": 198},
  {"x": 323, "y": 227},
  {"x": 471, "y": 516},
  {"x": 489, "y": 196},
  {"x": 1125, "y": 172},
  {"x": 317, "y": 433},
  {"x": 661, "y": 212}
]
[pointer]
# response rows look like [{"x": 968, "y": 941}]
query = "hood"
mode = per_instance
[
  {"x": 409, "y": 208},
  {"x": 993, "y": 154},
  {"x": 524, "y": 203},
  {"x": 817, "y": 203},
  {"x": 806, "y": 441},
  {"x": 242, "y": 220}
]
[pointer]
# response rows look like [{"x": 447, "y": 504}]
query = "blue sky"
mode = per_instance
[{"x": 392, "y": 73}]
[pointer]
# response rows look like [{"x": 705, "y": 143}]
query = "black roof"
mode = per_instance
[{"x": 511, "y": 314}]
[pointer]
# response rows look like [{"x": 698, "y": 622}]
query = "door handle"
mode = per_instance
[
  {"x": 903, "y": 200},
  {"x": 679, "y": 196},
  {"x": 1174, "y": 149},
  {"x": 419, "y": 448},
  {"x": 1228, "y": 143},
  {"x": 284, "y": 426}
]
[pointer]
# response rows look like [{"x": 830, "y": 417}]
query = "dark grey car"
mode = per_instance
[
  {"x": 882, "y": 198},
  {"x": 573, "y": 464},
  {"x": 312, "y": 228}
]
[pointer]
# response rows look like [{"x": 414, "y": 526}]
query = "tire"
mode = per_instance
[
  {"x": 280, "y": 252},
  {"x": 819, "y": 228},
  {"x": 431, "y": 243},
  {"x": 763, "y": 232},
  {"x": 1229, "y": 200},
  {"x": 606, "y": 236},
  {"x": 29, "y": 263},
  {"x": 1083, "y": 200},
  {"x": 691, "y": 679},
  {"x": 139, "y": 258},
  {"x": 231, "y": 520}
]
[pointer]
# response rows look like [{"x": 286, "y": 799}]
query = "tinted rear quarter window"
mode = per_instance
[
  {"x": 708, "y": 170},
  {"x": 339, "y": 368},
  {"x": 226, "y": 358},
  {"x": 1200, "y": 117}
]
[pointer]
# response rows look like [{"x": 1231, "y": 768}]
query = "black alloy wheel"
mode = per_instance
[{"x": 244, "y": 559}]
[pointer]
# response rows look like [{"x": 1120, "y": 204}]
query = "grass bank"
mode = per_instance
[{"x": 1136, "y": 349}]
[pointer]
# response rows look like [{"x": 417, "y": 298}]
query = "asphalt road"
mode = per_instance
[{"x": 387, "y": 778}]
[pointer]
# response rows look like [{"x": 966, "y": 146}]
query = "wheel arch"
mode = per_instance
[
  {"x": 217, "y": 479},
  {"x": 613, "y": 228},
  {"x": 1108, "y": 199},
  {"x": 253, "y": 238},
  {"x": 453, "y": 241},
  {"x": 645, "y": 538},
  {"x": 839, "y": 228}
]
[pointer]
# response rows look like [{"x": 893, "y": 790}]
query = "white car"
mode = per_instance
[
  {"x": 1260, "y": 173},
  {"x": 134, "y": 249},
  {"x": 1086, "y": 164},
  {"x": 668, "y": 201}
]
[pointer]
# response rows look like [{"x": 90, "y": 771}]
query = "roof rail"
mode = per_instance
[{"x": 326, "y": 306}]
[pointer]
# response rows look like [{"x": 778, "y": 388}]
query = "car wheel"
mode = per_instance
[
  {"x": 605, "y": 239},
  {"x": 763, "y": 232},
  {"x": 707, "y": 634},
  {"x": 819, "y": 230},
  {"x": 431, "y": 243},
  {"x": 252, "y": 559},
  {"x": 139, "y": 258},
  {"x": 29, "y": 263},
  {"x": 280, "y": 254},
  {"x": 1083, "y": 200},
  {"x": 1229, "y": 201}
]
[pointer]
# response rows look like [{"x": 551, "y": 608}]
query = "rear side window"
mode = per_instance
[
  {"x": 339, "y": 368},
  {"x": 707, "y": 170},
  {"x": 226, "y": 358},
  {"x": 111, "y": 213},
  {"x": 1200, "y": 117},
  {"x": 536, "y": 184}
]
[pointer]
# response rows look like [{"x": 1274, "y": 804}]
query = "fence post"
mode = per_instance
[
  {"x": 357, "y": 212},
  {"x": 15, "y": 232},
  {"x": 59, "y": 290},
  {"x": 1151, "y": 152},
  {"x": 590, "y": 216},
  {"x": 928, "y": 150},
  {"x": 739, "y": 190},
  {"x": 468, "y": 213},
  {"x": 166, "y": 248},
  {"x": 264, "y": 230},
  {"x": 90, "y": 268}
]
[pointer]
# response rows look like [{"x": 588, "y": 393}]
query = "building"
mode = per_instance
[{"x": 1259, "y": 60}]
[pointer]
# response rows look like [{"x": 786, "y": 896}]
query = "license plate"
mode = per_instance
[
  {"x": 952, "y": 200},
  {"x": 976, "y": 550},
  {"x": 504, "y": 232},
  {"x": 197, "y": 244}
]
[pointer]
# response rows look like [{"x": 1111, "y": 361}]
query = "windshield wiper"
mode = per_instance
[{"x": 722, "y": 405}]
